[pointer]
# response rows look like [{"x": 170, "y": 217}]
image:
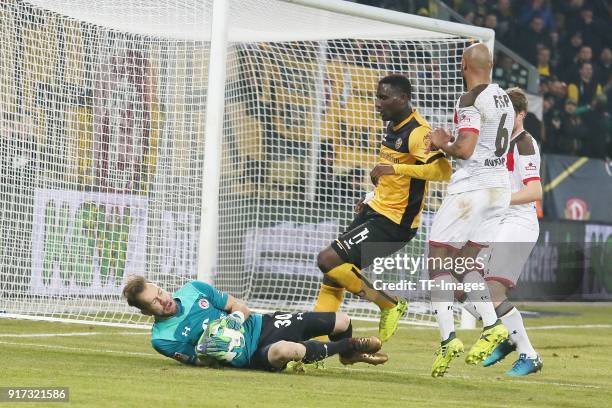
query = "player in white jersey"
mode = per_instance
[
  {"x": 478, "y": 195},
  {"x": 515, "y": 238}
]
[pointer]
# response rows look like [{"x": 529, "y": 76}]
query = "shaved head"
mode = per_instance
[{"x": 477, "y": 57}]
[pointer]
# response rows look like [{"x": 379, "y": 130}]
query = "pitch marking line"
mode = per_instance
[
  {"x": 574, "y": 326},
  {"x": 26, "y": 335},
  {"x": 394, "y": 372},
  {"x": 81, "y": 349}
]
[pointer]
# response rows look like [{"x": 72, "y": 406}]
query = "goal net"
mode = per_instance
[{"x": 103, "y": 108}]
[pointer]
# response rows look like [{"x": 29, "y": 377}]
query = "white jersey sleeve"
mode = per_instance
[
  {"x": 524, "y": 166},
  {"x": 528, "y": 166},
  {"x": 467, "y": 119},
  {"x": 487, "y": 111}
]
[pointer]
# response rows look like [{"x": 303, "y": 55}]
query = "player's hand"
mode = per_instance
[
  {"x": 428, "y": 146},
  {"x": 381, "y": 170},
  {"x": 359, "y": 206},
  {"x": 438, "y": 137},
  {"x": 214, "y": 347},
  {"x": 234, "y": 321}
]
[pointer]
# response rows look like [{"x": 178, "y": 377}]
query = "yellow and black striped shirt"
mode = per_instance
[{"x": 400, "y": 197}]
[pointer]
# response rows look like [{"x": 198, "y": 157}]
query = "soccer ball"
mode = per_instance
[{"x": 235, "y": 337}]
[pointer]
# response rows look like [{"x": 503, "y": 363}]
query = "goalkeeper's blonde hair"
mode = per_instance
[{"x": 133, "y": 288}]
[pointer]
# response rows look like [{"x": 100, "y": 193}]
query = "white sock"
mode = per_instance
[
  {"x": 480, "y": 298},
  {"x": 470, "y": 308},
  {"x": 442, "y": 305},
  {"x": 518, "y": 335}
]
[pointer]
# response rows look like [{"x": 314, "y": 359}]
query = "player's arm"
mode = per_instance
[
  {"x": 223, "y": 301},
  {"x": 182, "y": 352},
  {"x": 463, "y": 146},
  {"x": 531, "y": 192},
  {"x": 468, "y": 128},
  {"x": 439, "y": 169},
  {"x": 235, "y": 305},
  {"x": 529, "y": 168},
  {"x": 432, "y": 166}
]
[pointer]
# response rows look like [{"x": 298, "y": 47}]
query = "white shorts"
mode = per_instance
[
  {"x": 472, "y": 216},
  {"x": 510, "y": 250}
]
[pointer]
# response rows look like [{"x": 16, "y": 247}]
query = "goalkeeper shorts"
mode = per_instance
[{"x": 289, "y": 326}]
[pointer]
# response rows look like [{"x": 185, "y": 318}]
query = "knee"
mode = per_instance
[
  {"x": 327, "y": 260},
  {"x": 282, "y": 352},
  {"x": 498, "y": 292},
  {"x": 342, "y": 322}
]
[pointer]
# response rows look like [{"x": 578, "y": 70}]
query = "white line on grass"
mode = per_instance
[
  {"x": 81, "y": 349},
  {"x": 73, "y": 334},
  {"x": 49, "y": 334},
  {"x": 576, "y": 326},
  {"x": 569, "y": 326}
]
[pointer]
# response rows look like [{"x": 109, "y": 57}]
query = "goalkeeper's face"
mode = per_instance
[{"x": 156, "y": 301}]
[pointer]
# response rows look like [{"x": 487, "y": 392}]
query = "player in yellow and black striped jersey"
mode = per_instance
[{"x": 387, "y": 222}]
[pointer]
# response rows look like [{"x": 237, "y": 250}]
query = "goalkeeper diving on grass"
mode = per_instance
[{"x": 199, "y": 325}]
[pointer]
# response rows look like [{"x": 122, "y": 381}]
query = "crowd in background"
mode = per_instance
[{"x": 570, "y": 44}]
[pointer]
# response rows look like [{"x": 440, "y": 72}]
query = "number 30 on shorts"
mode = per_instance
[{"x": 282, "y": 320}]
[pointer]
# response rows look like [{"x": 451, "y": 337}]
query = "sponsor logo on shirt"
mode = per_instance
[
  {"x": 398, "y": 143},
  {"x": 531, "y": 166},
  {"x": 500, "y": 161},
  {"x": 203, "y": 303}
]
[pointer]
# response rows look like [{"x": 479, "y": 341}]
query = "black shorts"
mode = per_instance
[
  {"x": 371, "y": 235},
  {"x": 289, "y": 326}
]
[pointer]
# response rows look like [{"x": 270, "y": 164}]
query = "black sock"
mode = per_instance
[
  {"x": 316, "y": 350},
  {"x": 348, "y": 333}
]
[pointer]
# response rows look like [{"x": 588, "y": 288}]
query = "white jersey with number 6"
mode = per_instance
[{"x": 488, "y": 112}]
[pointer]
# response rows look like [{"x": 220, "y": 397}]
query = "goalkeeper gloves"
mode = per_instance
[
  {"x": 234, "y": 321},
  {"x": 215, "y": 347}
]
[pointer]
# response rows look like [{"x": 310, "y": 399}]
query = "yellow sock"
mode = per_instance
[
  {"x": 349, "y": 277},
  {"x": 329, "y": 300}
]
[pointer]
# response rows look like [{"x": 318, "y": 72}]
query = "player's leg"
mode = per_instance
[
  {"x": 513, "y": 321},
  {"x": 479, "y": 296},
  {"x": 331, "y": 293},
  {"x": 494, "y": 204},
  {"x": 294, "y": 345},
  {"x": 347, "y": 274},
  {"x": 339, "y": 328},
  {"x": 507, "y": 260},
  {"x": 442, "y": 307},
  {"x": 341, "y": 262},
  {"x": 447, "y": 236}
]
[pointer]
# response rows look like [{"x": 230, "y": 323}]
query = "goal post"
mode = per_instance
[{"x": 127, "y": 125}]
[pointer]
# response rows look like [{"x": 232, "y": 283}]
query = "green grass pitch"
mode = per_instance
[{"x": 116, "y": 367}]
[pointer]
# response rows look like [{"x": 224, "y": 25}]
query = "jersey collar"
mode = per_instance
[{"x": 403, "y": 122}]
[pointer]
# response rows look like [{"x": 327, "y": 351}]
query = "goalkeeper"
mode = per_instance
[{"x": 271, "y": 341}]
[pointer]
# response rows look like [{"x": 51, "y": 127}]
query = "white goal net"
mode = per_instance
[{"x": 102, "y": 129}]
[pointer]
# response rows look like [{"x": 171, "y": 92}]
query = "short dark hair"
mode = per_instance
[
  {"x": 518, "y": 99},
  {"x": 133, "y": 288},
  {"x": 398, "y": 81}
]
